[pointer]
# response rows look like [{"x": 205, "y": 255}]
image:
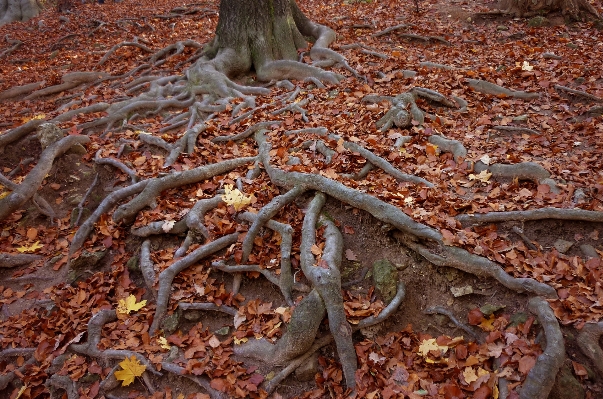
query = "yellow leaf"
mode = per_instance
[
  {"x": 431, "y": 345},
  {"x": 33, "y": 248},
  {"x": 125, "y": 306},
  {"x": 487, "y": 324},
  {"x": 469, "y": 375},
  {"x": 4, "y": 194},
  {"x": 235, "y": 198},
  {"x": 131, "y": 369},
  {"x": 23, "y": 388},
  {"x": 239, "y": 341},
  {"x": 484, "y": 176},
  {"x": 495, "y": 392},
  {"x": 163, "y": 343}
]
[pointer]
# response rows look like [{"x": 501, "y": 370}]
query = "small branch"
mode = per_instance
[
  {"x": 447, "y": 313},
  {"x": 391, "y": 29}
]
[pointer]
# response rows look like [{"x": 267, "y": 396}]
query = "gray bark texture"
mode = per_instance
[{"x": 18, "y": 10}]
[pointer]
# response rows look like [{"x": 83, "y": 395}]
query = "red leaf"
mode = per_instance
[
  {"x": 452, "y": 391},
  {"x": 526, "y": 363},
  {"x": 482, "y": 392},
  {"x": 475, "y": 317},
  {"x": 579, "y": 369},
  {"x": 218, "y": 384}
]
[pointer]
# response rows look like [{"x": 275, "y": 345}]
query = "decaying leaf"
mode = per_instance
[
  {"x": 32, "y": 248},
  {"x": 235, "y": 198},
  {"x": 125, "y": 306},
  {"x": 168, "y": 225}
]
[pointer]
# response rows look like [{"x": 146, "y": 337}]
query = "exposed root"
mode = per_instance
[
  {"x": 65, "y": 383},
  {"x": 202, "y": 381},
  {"x": 490, "y": 88},
  {"x": 120, "y": 45},
  {"x": 286, "y": 281},
  {"x": 391, "y": 29},
  {"x": 33, "y": 180},
  {"x": 116, "y": 164},
  {"x": 442, "y": 310},
  {"x": 534, "y": 214},
  {"x": 454, "y": 147},
  {"x": 381, "y": 163},
  {"x": 327, "y": 339},
  {"x": 155, "y": 186},
  {"x": 247, "y": 133},
  {"x": 147, "y": 268},
  {"x": 167, "y": 276},
  {"x": 521, "y": 171},
  {"x": 15, "y": 260},
  {"x": 17, "y": 91},
  {"x": 476, "y": 265},
  {"x": 578, "y": 93},
  {"x": 516, "y": 129},
  {"x": 70, "y": 81},
  {"x": 525, "y": 238},
  {"x": 435, "y": 65},
  {"x": 588, "y": 341},
  {"x": 266, "y": 213},
  {"x": 540, "y": 379},
  {"x": 208, "y": 306}
]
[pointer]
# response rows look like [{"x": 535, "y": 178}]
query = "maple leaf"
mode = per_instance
[
  {"x": 33, "y": 248},
  {"x": 431, "y": 345},
  {"x": 125, "y": 306},
  {"x": 235, "y": 198},
  {"x": 131, "y": 369}
]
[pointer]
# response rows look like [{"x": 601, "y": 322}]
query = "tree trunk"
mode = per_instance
[
  {"x": 574, "y": 9},
  {"x": 260, "y": 32},
  {"x": 18, "y": 10}
]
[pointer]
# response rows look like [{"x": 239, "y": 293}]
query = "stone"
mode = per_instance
[
  {"x": 170, "y": 323},
  {"x": 133, "y": 264},
  {"x": 49, "y": 133},
  {"x": 566, "y": 385},
  {"x": 589, "y": 251},
  {"x": 308, "y": 369},
  {"x": 87, "y": 260},
  {"x": 562, "y": 246},
  {"x": 538, "y": 21},
  {"x": 385, "y": 279}
]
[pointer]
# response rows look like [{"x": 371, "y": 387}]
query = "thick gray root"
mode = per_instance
[
  {"x": 540, "y": 379},
  {"x": 326, "y": 279},
  {"x": 588, "y": 341},
  {"x": 485, "y": 87},
  {"x": 535, "y": 214},
  {"x": 155, "y": 186},
  {"x": 301, "y": 333},
  {"x": 15, "y": 260}
]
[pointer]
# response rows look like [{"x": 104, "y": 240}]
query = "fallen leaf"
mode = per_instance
[
  {"x": 163, "y": 343},
  {"x": 469, "y": 375},
  {"x": 125, "y": 306},
  {"x": 431, "y": 345},
  {"x": 350, "y": 255},
  {"x": 484, "y": 176},
  {"x": 235, "y": 198},
  {"x": 168, "y": 225},
  {"x": 32, "y": 248},
  {"x": 131, "y": 368}
]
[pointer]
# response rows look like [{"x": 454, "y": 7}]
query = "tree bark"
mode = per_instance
[
  {"x": 574, "y": 9},
  {"x": 18, "y": 10},
  {"x": 260, "y": 32}
]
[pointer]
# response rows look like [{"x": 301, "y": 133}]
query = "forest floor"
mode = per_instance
[{"x": 47, "y": 305}]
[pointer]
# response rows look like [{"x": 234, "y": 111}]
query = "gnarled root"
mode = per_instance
[
  {"x": 540, "y": 379},
  {"x": 588, "y": 341}
]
